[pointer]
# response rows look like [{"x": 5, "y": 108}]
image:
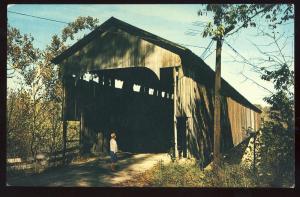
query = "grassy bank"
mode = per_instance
[{"x": 188, "y": 174}]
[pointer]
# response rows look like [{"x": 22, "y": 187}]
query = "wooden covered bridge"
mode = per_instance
[{"x": 155, "y": 94}]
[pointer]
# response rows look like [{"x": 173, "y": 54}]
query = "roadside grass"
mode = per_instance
[{"x": 188, "y": 174}]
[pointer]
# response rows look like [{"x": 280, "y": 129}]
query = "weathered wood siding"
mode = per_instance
[
  {"x": 118, "y": 49},
  {"x": 241, "y": 119},
  {"x": 195, "y": 101}
]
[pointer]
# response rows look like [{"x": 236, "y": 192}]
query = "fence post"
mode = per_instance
[{"x": 254, "y": 153}]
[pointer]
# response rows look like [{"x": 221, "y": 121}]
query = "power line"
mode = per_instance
[
  {"x": 53, "y": 20},
  {"x": 209, "y": 54},
  {"x": 37, "y": 17},
  {"x": 256, "y": 67},
  {"x": 207, "y": 49},
  {"x": 247, "y": 61}
]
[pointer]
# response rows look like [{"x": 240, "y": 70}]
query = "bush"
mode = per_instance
[
  {"x": 230, "y": 175},
  {"x": 190, "y": 175},
  {"x": 177, "y": 175},
  {"x": 277, "y": 156}
]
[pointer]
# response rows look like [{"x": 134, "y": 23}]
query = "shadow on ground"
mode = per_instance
[{"x": 92, "y": 173}]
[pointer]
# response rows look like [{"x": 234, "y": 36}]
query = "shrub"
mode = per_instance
[{"x": 190, "y": 175}]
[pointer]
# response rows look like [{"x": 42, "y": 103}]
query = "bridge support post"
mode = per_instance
[{"x": 174, "y": 115}]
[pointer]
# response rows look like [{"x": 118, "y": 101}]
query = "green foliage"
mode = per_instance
[
  {"x": 81, "y": 23},
  {"x": 230, "y": 175},
  {"x": 176, "y": 175},
  {"x": 22, "y": 141},
  {"x": 273, "y": 172},
  {"x": 188, "y": 174},
  {"x": 276, "y": 148},
  {"x": 277, "y": 145},
  {"x": 276, "y": 152},
  {"x": 233, "y": 17},
  {"x": 282, "y": 101},
  {"x": 282, "y": 77},
  {"x": 276, "y": 162},
  {"x": 34, "y": 111},
  {"x": 17, "y": 123},
  {"x": 20, "y": 51},
  {"x": 282, "y": 109},
  {"x": 278, "y": 140}
]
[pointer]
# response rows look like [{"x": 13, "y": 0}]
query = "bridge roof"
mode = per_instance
[{"x": 194, "y": 62}]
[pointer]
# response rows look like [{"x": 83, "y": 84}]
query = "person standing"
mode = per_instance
[{"x": 113, "y": 150}]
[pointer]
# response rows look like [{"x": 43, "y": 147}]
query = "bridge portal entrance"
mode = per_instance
[{"x": 132, "y": 102}]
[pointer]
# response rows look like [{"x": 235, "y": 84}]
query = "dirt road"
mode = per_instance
[{"x": 93, "y": 173}]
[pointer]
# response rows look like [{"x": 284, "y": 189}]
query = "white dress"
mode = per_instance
[{"x": 113, "y": 145}]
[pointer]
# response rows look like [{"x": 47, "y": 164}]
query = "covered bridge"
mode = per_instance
[{"x": 155, "y": 94}]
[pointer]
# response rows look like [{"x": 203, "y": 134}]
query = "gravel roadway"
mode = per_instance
[{"x": 94, "y": 172}]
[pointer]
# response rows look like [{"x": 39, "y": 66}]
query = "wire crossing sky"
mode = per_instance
[
  {"x": 37, "y": 17},
  {"x": 178, "y": 23}
]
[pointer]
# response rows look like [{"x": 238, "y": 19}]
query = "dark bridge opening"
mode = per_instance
[
  {"x": 133, "y": 102},
  {"x": 181, "y": 136}
]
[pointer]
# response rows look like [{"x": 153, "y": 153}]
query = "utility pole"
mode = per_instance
[{"x": 217, "y": 107}]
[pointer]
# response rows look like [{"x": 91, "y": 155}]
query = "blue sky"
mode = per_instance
[{"x": 170, "y": 21}]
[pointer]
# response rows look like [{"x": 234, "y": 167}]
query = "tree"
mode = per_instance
[
  {"x": 277, "y": 67},
  {"x": 81, "y": 23},
  {"x": 18, "y": 123},
  {"x": 34, "y": 110},
  {"x": 24, "y": 58},
  {"x": 277, "y": 148},
  {"x": 229, "y": 19}
]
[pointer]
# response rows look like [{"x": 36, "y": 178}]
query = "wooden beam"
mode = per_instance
[{"x": 174, "y": 115}]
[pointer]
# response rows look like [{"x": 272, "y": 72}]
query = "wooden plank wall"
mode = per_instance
[
  {"x": 118, "y": 49},
  {"x": 195, "y": 101},
  {"x": 241, "y": 118}
]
